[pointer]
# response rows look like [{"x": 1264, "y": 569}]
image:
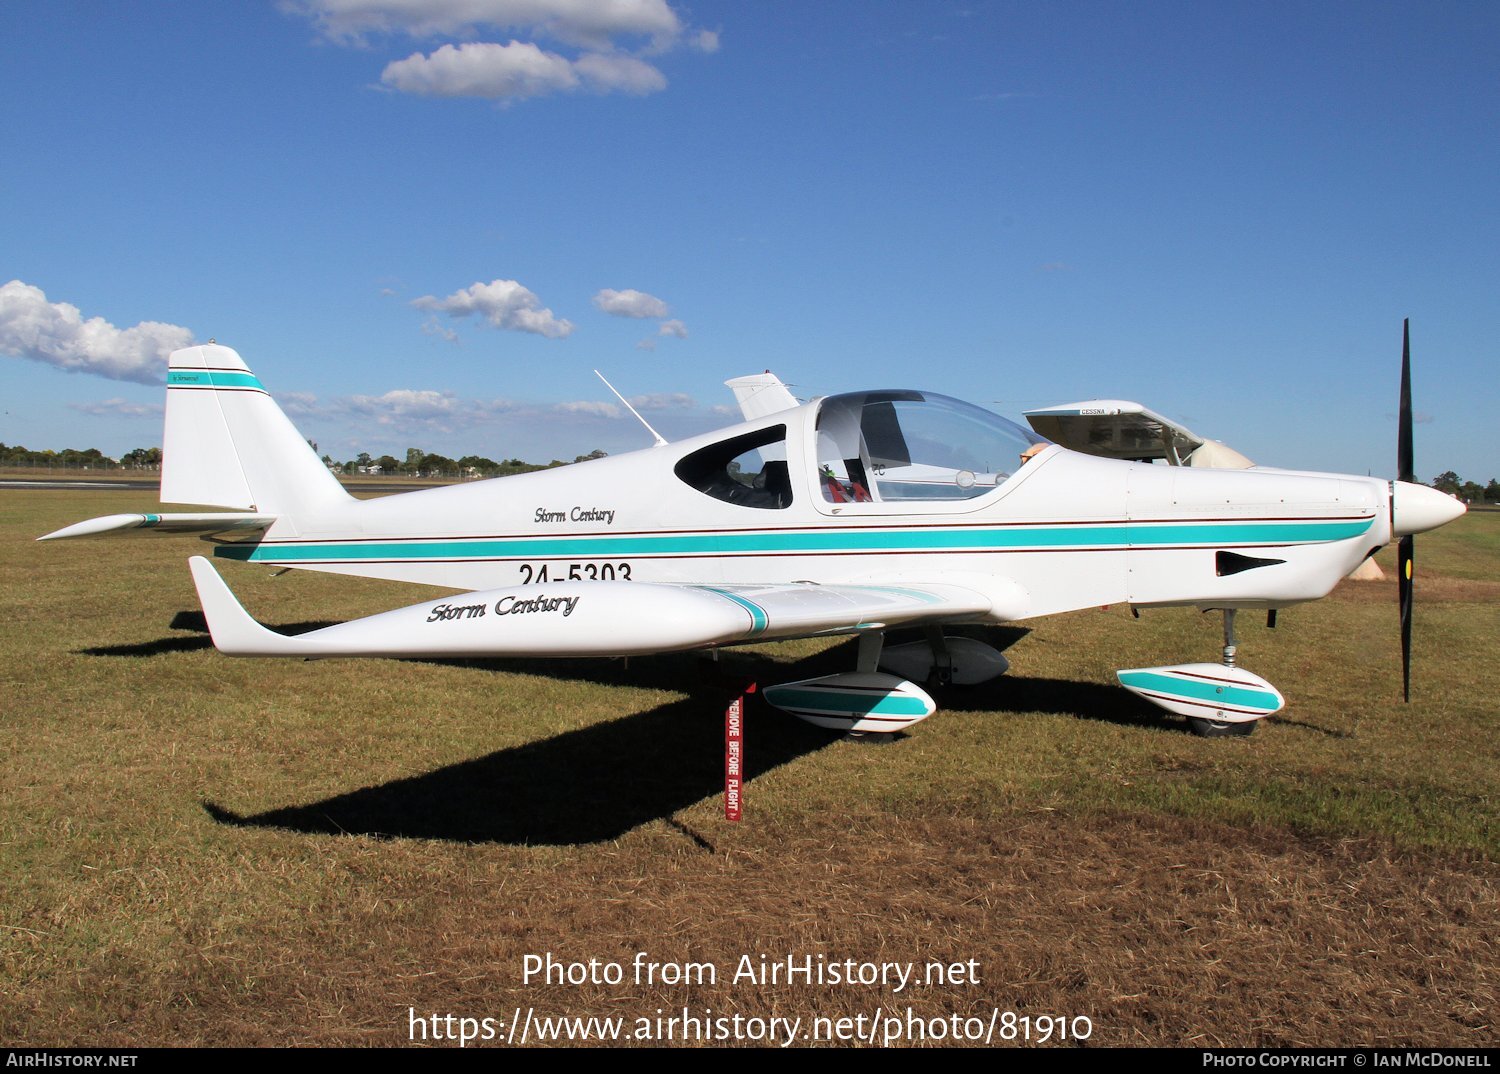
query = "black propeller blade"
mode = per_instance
[
  {"x": 1404, "y": 561},
  {"x": 1405, "y": 550},
  {"x": 1404, "y": 467}
]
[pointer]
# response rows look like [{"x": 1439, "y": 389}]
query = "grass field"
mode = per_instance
[{"x": 200, "y": 850}]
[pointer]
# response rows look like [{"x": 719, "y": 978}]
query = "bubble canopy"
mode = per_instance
[{"x": 909, "y": 445}]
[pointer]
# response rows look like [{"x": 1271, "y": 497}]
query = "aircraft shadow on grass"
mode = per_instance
[
  {"x": 599, "y": 782},
  {"x": 583, "y": 786},
  {"x": 192, "y": 623}
]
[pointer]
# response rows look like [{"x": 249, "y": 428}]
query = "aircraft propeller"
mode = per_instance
[
  {"x": 1415, "y": 508},
  {"x": 1405, "y": 471}
]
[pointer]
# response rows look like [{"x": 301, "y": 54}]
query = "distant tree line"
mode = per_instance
[
  {"x": 418, "y": 463},
  {"x": 430, "y": 465},
  {"x": 66, "y": 459},
  {"x": 1467, "y": 491}
]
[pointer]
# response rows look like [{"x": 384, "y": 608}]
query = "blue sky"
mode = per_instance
[{"x": 425, "y": 224}]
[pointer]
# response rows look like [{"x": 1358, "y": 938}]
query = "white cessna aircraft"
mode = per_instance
[{"x": 851, "y": 514}]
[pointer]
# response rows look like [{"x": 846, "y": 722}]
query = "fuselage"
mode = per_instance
[{"x": 863, "y": 489}]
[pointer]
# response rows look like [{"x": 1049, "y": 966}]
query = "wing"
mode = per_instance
[
  {"x": 591, "y": 618},
  {"x": 218, "y": 522},
  {"x": 1120, "y": 429}
]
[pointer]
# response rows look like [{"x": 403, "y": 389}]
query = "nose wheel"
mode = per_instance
[
  {"x": 1219, "y": 700},
  {"x": 1206, "y": 728}
]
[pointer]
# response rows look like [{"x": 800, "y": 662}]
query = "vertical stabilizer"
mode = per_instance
[
  {"x": 228, "y": 444},
  {"x": 761, "y": 394}
]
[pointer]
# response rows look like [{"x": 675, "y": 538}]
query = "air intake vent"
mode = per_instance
[{"x": 1227, "y": 563}]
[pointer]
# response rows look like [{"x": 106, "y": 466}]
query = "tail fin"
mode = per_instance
[
  {"x": 228, "y": 444},
  {"x": 760, "y": 394}
]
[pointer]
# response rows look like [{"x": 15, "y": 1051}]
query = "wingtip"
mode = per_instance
[
  {"x": 234, "y": 631},
  {"x": 96, "y": 527}
]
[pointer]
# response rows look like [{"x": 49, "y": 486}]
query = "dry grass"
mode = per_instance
[{"x": 197, "y": 850}]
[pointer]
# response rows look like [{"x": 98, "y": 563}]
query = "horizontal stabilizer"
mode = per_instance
[{"x": 227, "y": 523}]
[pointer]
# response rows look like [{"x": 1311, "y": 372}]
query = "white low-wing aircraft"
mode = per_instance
[{"x": 851, "y": 514}]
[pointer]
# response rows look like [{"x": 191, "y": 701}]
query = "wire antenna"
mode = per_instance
[{"x": 661, "y": 441}]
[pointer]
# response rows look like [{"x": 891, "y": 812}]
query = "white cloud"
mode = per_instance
[
  {"x": 298, "y": 403},
  {"x": 675, "y": 329},
  {"x": 504, "y": 304},
  {"x": 402, "y": 403},
  {"x": 608, "y": 39},
  {"x": 591, "y": 23},
  {"x": 120, "y": 407},
  {"x": 452, "y": 425},
  {"x": 613, "y": 73},
  {"x": 664, "y": 401},
  {"x": 481, "y": 69},
  {"x": 56, "y": 333},
  {"x": 585, "y": 406},
  {"x": 430, "y": 327},
  {"x": 406, "y": 411},
  {"x": 630, "y": 303},
  {"x": 403, "y": 410},
  {"x": 517, "y": 71}
]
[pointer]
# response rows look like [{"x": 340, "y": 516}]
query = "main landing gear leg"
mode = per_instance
[{"x": 871, "y": 643}]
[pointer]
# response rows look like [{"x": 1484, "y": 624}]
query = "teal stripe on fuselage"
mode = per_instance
[
  {"x": 1196, "y": 690},
  {"x": 211, "y": 378},
  {"x": 921, "y": 539}
]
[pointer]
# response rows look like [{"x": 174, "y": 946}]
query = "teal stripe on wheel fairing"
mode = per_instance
[
  {"x": 921, "y": 539},
  {"x": 835, "y": 703},
  {"x": 1191, "y": 689}
]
